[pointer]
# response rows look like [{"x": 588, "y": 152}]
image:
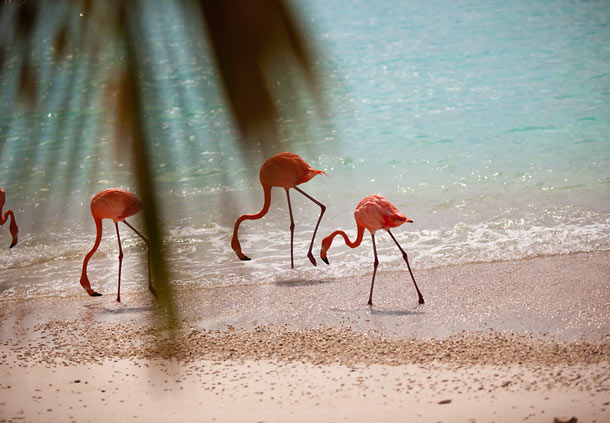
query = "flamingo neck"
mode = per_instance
[
  {"x": 349, "y": 243},
  {"x": 84, "y": 280},
  {"x": 235, "y": 241},
  {"x": 5, "y": 216},
  {"x": 264, "y": 210},
  {"x": 13, "y": 226}
]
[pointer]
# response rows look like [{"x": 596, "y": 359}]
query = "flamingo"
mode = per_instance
[
  {"x": 284, "y": 170},
  {"x": 3, "y": 218},
  {"x": 116, "y": 204},
  {"x": 373, "y": 213}
]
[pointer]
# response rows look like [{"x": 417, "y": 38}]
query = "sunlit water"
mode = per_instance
[{"x": 487, "y": 123}]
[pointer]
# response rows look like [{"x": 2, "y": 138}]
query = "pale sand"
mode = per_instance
[
  {"x": 253, "y": 391},
  {"x": 513, "y": 341}
]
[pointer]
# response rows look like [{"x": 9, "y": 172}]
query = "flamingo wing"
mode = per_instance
[{"x": 376, "y": 212}]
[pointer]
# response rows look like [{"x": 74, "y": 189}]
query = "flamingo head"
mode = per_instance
[
  {"x": 237, "y": 248},
  {"x": 2, "y": 197},
  {"x": 14, "y": 232},
  {"x": 325, "y": 246}
]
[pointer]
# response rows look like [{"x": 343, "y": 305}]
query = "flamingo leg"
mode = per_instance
[
  {"x": 150, "y": 286},
  {"x": 322, "y": 210},
  {"x": 404, "y": 256},
  {"x": 291, "y": 229},
  {"x": 375, "y": 264},
  {"x": 118, "y": 295}
]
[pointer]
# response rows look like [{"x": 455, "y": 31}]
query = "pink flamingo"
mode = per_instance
[
  {"x": 3, "y": 218},
  {"x": 284, "y": 170},
  {"x": 373, "y": 213},
  {"x": 116, "y": 204}
]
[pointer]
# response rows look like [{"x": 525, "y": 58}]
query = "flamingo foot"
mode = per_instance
[
  {"x": 312, "y": 259},
  {"x": 12, "y": 245},
  {"x": 95, "y": 294},
  {"x": 325, "y": 260}
]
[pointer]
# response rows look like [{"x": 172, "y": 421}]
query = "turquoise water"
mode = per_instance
[{"x": 487, "y": 123}]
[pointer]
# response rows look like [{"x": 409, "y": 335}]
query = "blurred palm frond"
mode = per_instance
[{"x": 253, "y": 43}]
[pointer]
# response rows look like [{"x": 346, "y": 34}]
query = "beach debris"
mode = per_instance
[{"x": 445, "y": 401}]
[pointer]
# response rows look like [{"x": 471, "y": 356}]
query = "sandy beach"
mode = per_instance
[
  {"x": 525, "y": 340},
  {"x": 220, "y": 146}
]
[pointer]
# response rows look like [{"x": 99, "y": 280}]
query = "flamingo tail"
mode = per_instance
[
  {"x": 84, "y": 280},
  {"x": 235, "y": 241},
  {"x": 326, "y": 242}
]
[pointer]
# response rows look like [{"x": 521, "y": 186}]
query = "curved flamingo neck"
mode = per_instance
[
  {"x": 84, "y": 280},
  {"x": 13, "y": 226},
  {"x": 264, "y": 210},
  {"x": 5, "y": 216},
  {"x": 235, "y": 241},
  {"x": 349, "y": 243}
]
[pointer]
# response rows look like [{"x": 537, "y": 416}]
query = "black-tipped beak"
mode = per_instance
[
  {"x": 12, "y": 245},
  {"x": 325, "y": 260},
  {"x": 95, "y": 294},
  {"x": 409, "y": 221},
  {"x": 245, "y": 258}
]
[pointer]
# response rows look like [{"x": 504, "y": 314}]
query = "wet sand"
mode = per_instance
[{"x": 525, "y": 340}]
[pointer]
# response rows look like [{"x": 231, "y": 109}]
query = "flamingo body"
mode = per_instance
[
  {"x": 373, "y": 213},
  {"x": 14, "y": 230},
  {"x": 116, "y": 204},
  {"x": 376, "y": 212},
  {"x": 284, "y": 170}
]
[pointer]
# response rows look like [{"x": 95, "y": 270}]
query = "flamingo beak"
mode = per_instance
[
  {"x": 12, "y": 244},
  {"x": 408, "y": 220},
  {"x": 245, "y": 258},
  {"x": 325, "y": 260}
]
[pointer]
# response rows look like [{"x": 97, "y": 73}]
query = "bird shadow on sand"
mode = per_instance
[
  {"x": 301, "y": 282},
  {"x": 120, "y": 309},
  {"x": 126, "y": 310},
  {"x": 379, "y": 312}
]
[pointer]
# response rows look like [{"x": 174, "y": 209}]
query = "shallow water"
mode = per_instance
[{"x": 485, "y": 122}]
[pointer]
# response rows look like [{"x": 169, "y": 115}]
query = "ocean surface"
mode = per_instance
[{"x": 486, "y": 122}]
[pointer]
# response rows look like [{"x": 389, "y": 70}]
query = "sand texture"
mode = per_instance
[{"x": 525, "y": 340}]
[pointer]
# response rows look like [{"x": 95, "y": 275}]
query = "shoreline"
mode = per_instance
[
  {"x": 503, "y": 342},
  {"x": 562, "y": 296}
]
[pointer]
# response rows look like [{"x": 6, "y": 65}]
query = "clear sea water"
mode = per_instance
[{"x": 486, "y": 122}]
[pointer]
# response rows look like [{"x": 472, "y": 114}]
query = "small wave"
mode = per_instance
[
  {"x": 531, "y": 128},
  {"x": 202, "y": 255},
  {"x": 501, "y": 238}
]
